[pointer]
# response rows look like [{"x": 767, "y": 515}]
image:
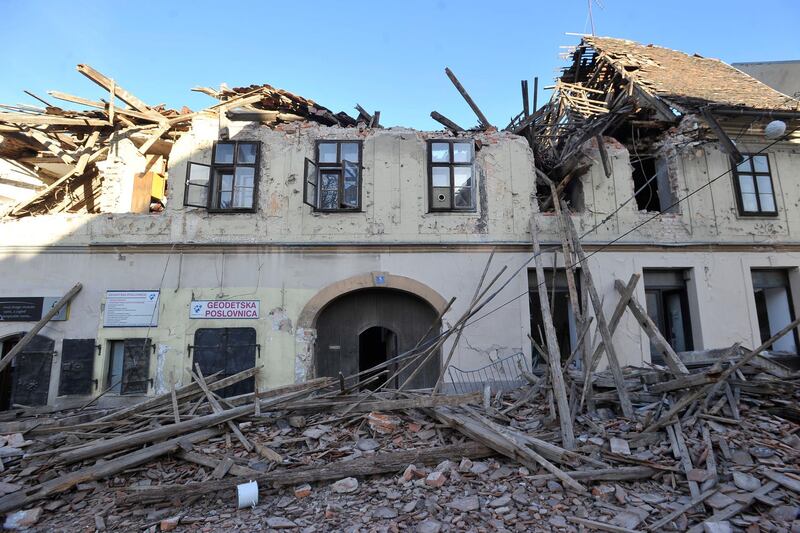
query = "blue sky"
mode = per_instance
[{"x": 384, "y": 55}]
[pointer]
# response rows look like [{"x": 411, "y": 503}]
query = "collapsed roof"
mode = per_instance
[
  {"x": 62, "y": 147},
  {"x": 611, "y": 82}
]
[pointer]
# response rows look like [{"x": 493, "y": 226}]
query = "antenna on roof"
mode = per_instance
[{"x": 591, "y": 16}]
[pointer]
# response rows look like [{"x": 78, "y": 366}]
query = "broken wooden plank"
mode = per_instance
[
  {"x": 379, "y": 463},
  {"x": 210, "y": 462},
  {"x": 501, "y": 444},
  {"x": 735, "y": 508},
  {"x": 446, "y": 122},
  {"x": 99, "y": 470},
  {"x": 124, "y": 442},
  {"x": 783, "y": 480},
  {"x": 24, "y": 341},
  {"x": 666, "y": 519},
  {"x": 52, "y": 120},
  {"x": 602, "y": 526},
  {"x": 685, "y": 458}
]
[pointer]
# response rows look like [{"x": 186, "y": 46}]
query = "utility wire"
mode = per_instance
[{"x": 628, "y": 232}]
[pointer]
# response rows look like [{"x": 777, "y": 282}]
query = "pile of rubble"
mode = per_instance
[{"x": 330, "y": 459}]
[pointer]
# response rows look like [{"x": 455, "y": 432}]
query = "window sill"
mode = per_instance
[
  {"x": 763, "y": 216},
  {"x": 334, "y": 211}
]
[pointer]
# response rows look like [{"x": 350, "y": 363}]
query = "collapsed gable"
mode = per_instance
[{"x": 641, "y": 95}]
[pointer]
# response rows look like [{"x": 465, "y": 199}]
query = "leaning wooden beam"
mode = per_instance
[
  {"x": 217, "y": 408},
  {"x": 154, "y": 138},
  {"x": 107, "y": 84},
  {"x": 619, "y": 311},
  {"x": 23, "y": 342},
  {"x": 601, "y": 147},
  {"x": 674, "y": 362},
  {"x": 362, "y": 113},
  {"x": 52, "y": 145},
  {"x": 602, "y": 325},
  {"x": 99, "y": 470},
  {"x": 481, "y": 117},
  {"x": 77, "y": 99},
  {"x": 553, "y": 351},
  {"x": 725, "y": 142},
  {"x": 379, "y": 463},
  {"x": 83, "y": 160},
  {"x": 446, "y": 122}
]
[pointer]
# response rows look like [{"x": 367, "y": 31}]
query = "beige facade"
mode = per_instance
[{"x": 294, "y": 260}]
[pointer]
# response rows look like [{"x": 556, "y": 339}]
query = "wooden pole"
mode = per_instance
[
  {"x": 553, "y": 352},
  {"x": 481, "y": 117},
  {"x": 602, "y": 325},
  {"x": 39, "y": 325}
]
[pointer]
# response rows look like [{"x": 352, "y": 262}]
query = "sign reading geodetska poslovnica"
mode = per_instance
[{"x": 235, "y": 309}]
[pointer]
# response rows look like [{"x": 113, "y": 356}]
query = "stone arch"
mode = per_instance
[{"x": 308, "y": 316}]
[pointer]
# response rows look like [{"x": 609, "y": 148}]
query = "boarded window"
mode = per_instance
[
  {"x": 32, "y": 372},
  {"x": 228, "y": 351},
  {"x": 77, "y": 367},
  {"x": 135, "y": 366}
]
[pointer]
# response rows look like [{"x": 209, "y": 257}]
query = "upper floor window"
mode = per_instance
[
  {"x": 753, "y": 181},
  {"x": 333, "y": 180},
  {"x": 229, "y": 183},
  {"x": 451, "y": 180}
]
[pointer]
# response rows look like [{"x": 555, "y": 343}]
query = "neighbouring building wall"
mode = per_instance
[{"x": 783, "y": 76}]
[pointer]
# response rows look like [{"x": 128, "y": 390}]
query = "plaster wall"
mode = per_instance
[{"x": 721, "y": 299}]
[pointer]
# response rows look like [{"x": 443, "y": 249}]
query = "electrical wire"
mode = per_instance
[{"x": 629, "y": 231}]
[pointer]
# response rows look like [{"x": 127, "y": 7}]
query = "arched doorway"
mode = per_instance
[
  {"x": 26, "y": 381},
  {"x": 365, "y": 327},
  {"x": 376, "y": 345}
]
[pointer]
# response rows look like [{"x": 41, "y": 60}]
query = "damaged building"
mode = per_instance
[{"x": 267, "y": 230}]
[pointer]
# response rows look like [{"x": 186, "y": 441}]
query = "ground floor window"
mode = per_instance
[
  {"x": 128, "y": 366},
  {"x": 774, "y": 307},
  {"x": 668, "y": 305},
  {"x": 564, "y": 320}
]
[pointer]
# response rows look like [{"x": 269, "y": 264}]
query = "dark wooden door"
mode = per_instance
[
  {"x": 228, "y": 351},
  {"x": 343, "y": 320},
  {"x": 31, "y": 374}
]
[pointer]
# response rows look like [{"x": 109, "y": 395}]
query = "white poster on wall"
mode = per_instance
[
  {"x": 236, "y": 309},
  {"x": 131, "y": 309}
]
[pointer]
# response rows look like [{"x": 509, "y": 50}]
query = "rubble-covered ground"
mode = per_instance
[{"x": 481, "y": 494}]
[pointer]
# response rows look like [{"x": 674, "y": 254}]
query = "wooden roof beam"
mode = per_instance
[{"x": 481, "y": 117}]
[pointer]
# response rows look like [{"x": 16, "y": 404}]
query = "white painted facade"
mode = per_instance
[{"x": 285, "y": 254}]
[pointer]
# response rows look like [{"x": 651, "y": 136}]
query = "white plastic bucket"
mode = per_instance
[{"x": 248, "y": 494}]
